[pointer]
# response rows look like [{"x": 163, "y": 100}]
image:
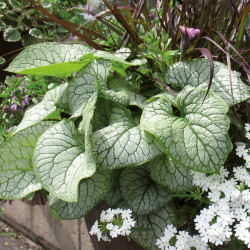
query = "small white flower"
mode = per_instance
[
  {"x": 248, "y": 135},
  {"x": 241, "y": 150},
  {"x": 247, "y": 127},
  {"x": 115, "y": 231}
]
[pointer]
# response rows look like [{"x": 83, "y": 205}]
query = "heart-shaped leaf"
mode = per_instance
[
  {"x": 198, "y": 138},
  {"x": 142, "y": 194},
  {"x": 17, "y": 178},
  {"x": 164, "y": 172},
  {"x": 121, "y": 144},
  {"x": 196, "y": 72},
  {"x": 60, "y": 162},
  {"x": 91, "y": 191}
]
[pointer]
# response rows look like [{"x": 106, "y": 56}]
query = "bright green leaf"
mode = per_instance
[
  {"x": 91, "y": 191},
  {"x": 52, "y": 59},
  {"x": 196, "y": 72},
  {"x": 164, "y": 172},
  {"x": 17, "y": 178},
  {"x": 142, "y": 194},
  {"x": 2, "y": 60},
  {"x": 60, "y": 162},
  {"x": 198, "y": 138}
]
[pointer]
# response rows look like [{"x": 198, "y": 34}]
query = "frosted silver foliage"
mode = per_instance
[
  {"x": 45, "y": 54},
  {"x": 164, "y": 172},
  {"x": 120, "y": 145},
  {"x": 120, "y": 92},
  {"x": 142, "y": 194},
  {"x": 41, "y": 110},
  {"x": 196, "y": 72},
  {"x": 91, "y": 191},
  {"x": 17, "y": 178},
  {"x": 84, "y": 85},
  {"x": 157, "y": 222},
  {"x": 60, "y": 161},
  {"x": 198, "y": 138}
]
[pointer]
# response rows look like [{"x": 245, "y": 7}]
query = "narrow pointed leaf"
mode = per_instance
[
  {"x": 41, "y": 110},
  {"x": 17, "y": 178},
  {"x": 197, "y": 72},
  {"x": 198, "y": 138},
  {"x": 60, "y": 162},
  {"x": 165, "y": 173},
  {"x": 84, "y": 84},
  {"x": 121, "y": 145},
  {"x": 50, "y": 59},
  {"x": 154, "y": 223},
  {"x": 142, "y": 194},
  {"x": 91, "y": 191}
]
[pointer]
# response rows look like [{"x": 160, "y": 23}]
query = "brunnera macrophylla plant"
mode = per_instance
[{"x": 116, "y": 142}]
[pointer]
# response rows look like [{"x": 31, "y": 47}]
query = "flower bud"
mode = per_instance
[{"x": 187, "y": 36}]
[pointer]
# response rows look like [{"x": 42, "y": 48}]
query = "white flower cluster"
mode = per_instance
[
  {"x": 231, "y": 196},
  {"x": 181, "y": 241},
  {"x": 114, "y": 222}
]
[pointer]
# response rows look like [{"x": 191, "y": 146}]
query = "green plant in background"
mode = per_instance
[
  {"x": 21, "y": 21},
  {"x": 116, "y": 143},
  {"x": 17, "y": 94}
]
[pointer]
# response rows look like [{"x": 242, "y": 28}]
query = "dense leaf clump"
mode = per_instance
[{"x": 118, "y": 140}]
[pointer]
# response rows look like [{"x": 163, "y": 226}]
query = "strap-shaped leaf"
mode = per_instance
[
  {"x": 17, "y": 178},
  {"x": 51, "y": 59},
  {"x": 196, "y": 140},
  {"x": 154, "y": 223},
  {"x": 84, "y": 84},
  {"x": 91, "y": 191},
  {"x": 121, "y": 145},
  {"x": 60, "y": 162},
  {"x": 142, "y": 194},
  {"x": 164, "y": 172},
  {"x": 40, "y": 111},
  {"x": 196, "y": 72}
]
